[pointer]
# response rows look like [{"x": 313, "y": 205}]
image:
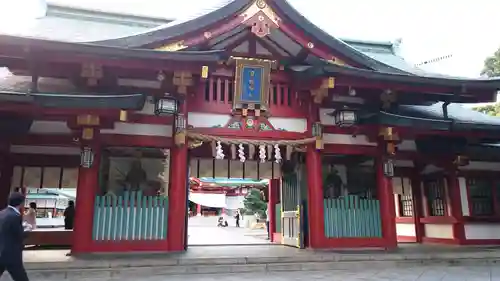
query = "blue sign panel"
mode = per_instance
[{"x": 251, "y": 84}]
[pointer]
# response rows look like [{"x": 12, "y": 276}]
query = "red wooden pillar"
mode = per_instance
[
  {"x": 274, "y": 184},
  {"x": 455, "y": 205},
  {"x": 387, "y": 209},
  {"x": 6, "y": 172},
  {"x": 86, "y": 191},
  {"x": 418, "y": 211},
  {"x": 198, "y": 210},
  {"x": 315, "y": 195},
  {"x": 177, "y": 194}
]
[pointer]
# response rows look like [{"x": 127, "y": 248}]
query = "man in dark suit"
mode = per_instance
[{"x": 11, "y": 239}]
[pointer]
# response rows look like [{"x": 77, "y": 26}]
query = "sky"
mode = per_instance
[{"x": 428, "y": 28}]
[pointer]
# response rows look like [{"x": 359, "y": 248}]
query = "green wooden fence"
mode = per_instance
[
  {"x": 351, "y": 216},
  {"x": 278, "y": 218},
  {"x": 131, "y": 216}
]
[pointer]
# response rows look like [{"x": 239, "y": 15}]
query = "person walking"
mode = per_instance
[
  {"x": 12, "y": 235},
  {"x": 69, "y": 215},
  {"x": 267, "y": 224},
  {"x": 237, "y": 217},
  {"x": 30, "y": 215}
]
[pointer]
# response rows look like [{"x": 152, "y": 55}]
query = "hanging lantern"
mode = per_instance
[
  {"x": 389, "y": 168},
  {"x": 461, "y": 161},
  {"x": 180, "y": 123},
  {"x": 345, "y": 117},
  {"x": 86, "y": 157},
  {"x": 166, "y": 106}
]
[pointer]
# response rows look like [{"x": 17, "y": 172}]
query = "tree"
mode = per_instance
[
  {"x": 492, "y": 65},
  {"x": 490, "y": 109},
  {"x": 254, "y": 204}
]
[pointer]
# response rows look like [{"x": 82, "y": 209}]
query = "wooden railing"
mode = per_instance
[
  {"x": 352, "y": 216},
  {"x": 217, "y": 95},
  {"x": 131, "y": 216}
]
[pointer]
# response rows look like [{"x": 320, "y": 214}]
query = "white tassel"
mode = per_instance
[
  {"x": 241, "y": 153},
  {"x": 262, "y": 153},
  {"x": 277, "y": 154},
  {"x": 219, "y": 152}
]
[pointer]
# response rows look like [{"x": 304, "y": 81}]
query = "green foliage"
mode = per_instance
[
  {"x": 492, "y": 65},
  {"x": 490, "y": 109},
  {"x": 254, "y": 203}
]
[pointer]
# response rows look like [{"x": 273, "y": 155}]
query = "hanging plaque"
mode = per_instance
[{"x": 252, "y": 84}]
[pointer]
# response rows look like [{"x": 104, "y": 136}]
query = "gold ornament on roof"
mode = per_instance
[
  {"x": 261, "y": 4},
  {"x": 172, "y": 47}
]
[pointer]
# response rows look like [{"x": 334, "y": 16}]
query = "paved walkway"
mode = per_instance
[
  {"x": 204, "y": 231},
  {"x": 433, "y": 273}
]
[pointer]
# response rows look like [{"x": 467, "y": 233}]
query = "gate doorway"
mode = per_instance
[{"x": 293, "y": 194}]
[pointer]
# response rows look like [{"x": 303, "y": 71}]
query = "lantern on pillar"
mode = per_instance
[
  {"x": 86, "y": 157},
  {"x": 389, "y": 168},
  {"x": 180, "y": 130},
  {"x": 345, "y": 117},
  {"x": 166, "y": 106},
  {"x": 317, "y": 131}
]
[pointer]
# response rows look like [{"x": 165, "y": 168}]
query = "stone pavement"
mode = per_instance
[
  {"x": 204, "y": 231},
  {"x": 414, "y": 273}
]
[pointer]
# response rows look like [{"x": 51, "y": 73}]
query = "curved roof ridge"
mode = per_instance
[{"x": 198, "y": 19}]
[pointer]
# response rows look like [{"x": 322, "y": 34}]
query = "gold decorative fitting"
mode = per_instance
[
  {"x": 391, "y": 148},
  {"x": 328, "y": 83},
  {"x": 123, "y": 115},
  {"x": 260, "y": 17},
  {"x": 261, "y": 4},
  {"x": 389, "y": 134},
  {"x": 88, "y": 133},
  {"x": 319, "y": 94},
  {"x": 204, "y": 71},
  {"x": 88, "y": 120},
  {"x": 172, "y": 47},
  {"x": 182, "y": 80},
  {"x": 180, "y": 138},
  {"x": 337, "y": 61},
  {"x": 310, "y": 45},
  {"x": 207, "y": 34}
]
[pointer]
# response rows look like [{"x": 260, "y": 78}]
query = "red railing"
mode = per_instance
[{"x": 216, "y": 95}]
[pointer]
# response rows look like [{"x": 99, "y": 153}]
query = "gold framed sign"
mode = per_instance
[{"x": 251, "y": 85}]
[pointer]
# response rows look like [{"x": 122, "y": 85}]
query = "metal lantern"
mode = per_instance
[
  {"x": 180, "y": 123},
  {"x": 345, "y": 117},
  {"x": 317, "y": 129},
  {"x": 86, "y": 157},
  {"x": 166, "y": 106},
  {"x": 389, "y": 168}
]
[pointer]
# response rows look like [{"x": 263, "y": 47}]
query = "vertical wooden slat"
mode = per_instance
[
  {"x": 210, "y": 89},
  {"x": 114, "y": 217},
  {"x": 120, "y": 218},
  {"x": 226, "y": 90},
  {"x": 218, "y": 89}
]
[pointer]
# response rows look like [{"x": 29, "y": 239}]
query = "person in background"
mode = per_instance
[
  {"x": 237, "y": 217},
  {"x": 11, "y": 239},
  {"x": 69, "y": 215},
  {"x": 30, "y": 215},
  {"x": 267, "y": 224}
]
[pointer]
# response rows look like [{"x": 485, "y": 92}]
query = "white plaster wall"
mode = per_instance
[
  {"x": 207, "y": 120},
  {"x": 482, "y": 231},
  {"x": 405, "y": 229},
  {"x": 439, "y": 231},
  {"x": 407, "y": 145},
  {"x": 289, "y": 124},
  {"x": 140, "y": 129},
  {"x": 347, "y": 139},
  {"x": 49, "y": 127},
  {"x": 462, "y": 185},
  {"x": 482, "y": 166},
  {"x": 48, "y": 150}
]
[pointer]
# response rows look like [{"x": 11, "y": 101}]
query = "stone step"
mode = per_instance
[{"x": 133, "y": 268}]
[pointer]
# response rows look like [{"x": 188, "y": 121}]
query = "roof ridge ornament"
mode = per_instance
[{"x": 261, "y": 18}]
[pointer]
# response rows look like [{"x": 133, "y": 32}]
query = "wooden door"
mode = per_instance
[{"x": 291, "y": 213}]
